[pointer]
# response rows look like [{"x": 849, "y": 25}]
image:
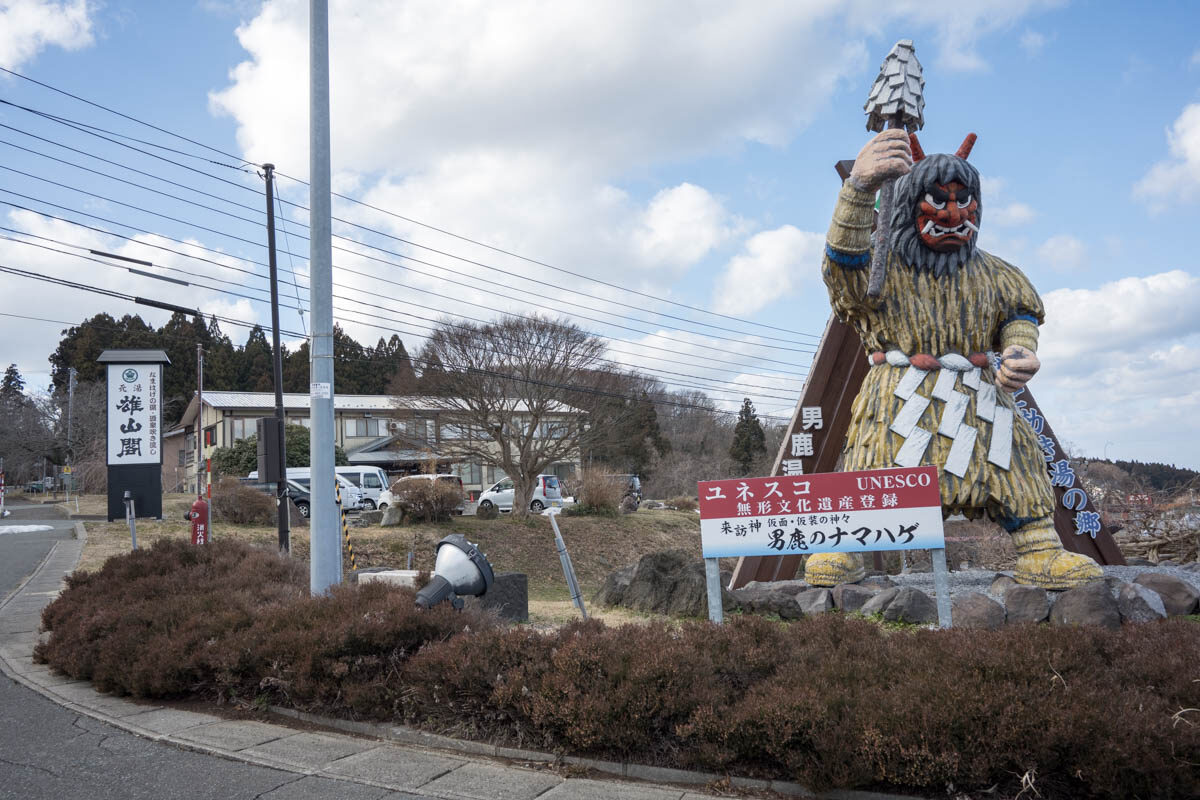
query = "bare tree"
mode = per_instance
[{"x": 509, "y": 394}]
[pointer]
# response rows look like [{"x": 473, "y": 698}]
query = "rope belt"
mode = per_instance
[
  {"x": 954, "y": 361},
  {"x": 948, "y": 367}
]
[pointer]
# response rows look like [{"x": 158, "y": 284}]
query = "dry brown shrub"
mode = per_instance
[
  {"x": 423, "y": 499},
  {"x": 600, "y": 493},
  {"x": 682, "y": 503},
  {"x": 239, "y": 504}
]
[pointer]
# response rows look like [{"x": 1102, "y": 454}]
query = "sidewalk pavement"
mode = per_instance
[{"x": 382, "y": 757}]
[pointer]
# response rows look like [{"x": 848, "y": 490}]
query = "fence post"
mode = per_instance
[{"x": 712, "y": 579}]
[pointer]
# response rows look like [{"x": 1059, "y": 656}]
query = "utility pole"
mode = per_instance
[
  {"x": 281, "y": 494},
  {"x": 199, "y": 415},
  {"x": 70, "y": 441},
  {"x": 325, "y": 565}
]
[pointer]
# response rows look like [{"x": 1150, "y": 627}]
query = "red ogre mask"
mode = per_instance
[{"x": 947, "y": 217}]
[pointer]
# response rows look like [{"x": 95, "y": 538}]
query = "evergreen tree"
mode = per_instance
[
  {"x": 433, "y": 376},
  {"x": 296, "y": 371},
  {"x": 13, "y": 387},
  {"x": 255, "y": 371},
  {"x": 351, "y": 367},
  {"x": 401, "y": 379},
  {"x": 749, "y": 440},
  {"x": 220, "y": 359}
]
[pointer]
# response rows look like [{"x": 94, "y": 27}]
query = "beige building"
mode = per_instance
[{"x": 400, "y": 436}]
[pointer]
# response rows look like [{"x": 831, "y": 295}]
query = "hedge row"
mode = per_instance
[{"x": 830, "y": 701}]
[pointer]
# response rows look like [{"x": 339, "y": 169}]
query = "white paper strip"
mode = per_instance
[
  {"x": 910, "y": 415},
  {"x": 1000, "y": 449},
  {"x": 913, "y": 378},
  {"x": 971, "y": 378},
  {"x": 960, "y": 452},
  {"x": 945, "y": 384},
  {"x": 985, "y": 402},
  {"x": 913, "y": 451},
  {"x": 952, "y": 416}
]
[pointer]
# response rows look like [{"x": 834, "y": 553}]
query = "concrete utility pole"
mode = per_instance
[
  {"x": 325, "y": 565},
  {"x": 199, "y": 417},
  {"x": 70, "y": 447}
]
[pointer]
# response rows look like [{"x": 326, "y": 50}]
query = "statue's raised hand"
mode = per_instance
[
  {"x": 1017, "y": 365},
  {"x": 886, "y": 156}
]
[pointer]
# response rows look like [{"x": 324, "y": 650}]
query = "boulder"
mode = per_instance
[
  {"x": 850, "y": 596},
  {"x": 1091, "y": 604},
  {"x": 912, "y": 606},
  {"x": 671, "y": 582},
  {"x": 1138, "y": 561},
  {"x": 612, "y": 591},
  {"x": 794, "y": 587},
  {"x": 766, "y": 602},
  {"x": 508, "y": 596},
  {"x": 1138, "y": 603},
  {"x": 879, "y": 603},
  {"x": 392, "y": 515},
  {"x": 1026, "y": 604},
  {"x": 976, "y": 610},
  {"x": 1179, "y": 597},
  {"x": 815, "y": 601},
  {"x": 371, "y": 517},
  {"x": 1001, "y": 584},
  {"x": 877, "y": 582}
]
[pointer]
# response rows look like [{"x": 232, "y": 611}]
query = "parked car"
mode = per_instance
[
  {"x": 371, "y": 480},
  {"x": 351, "y": 494},
  {"x": 546, "y": 494},
  {"x": 386, "y": 498},
  {"x": 299, "y": 494},
  {"x": 633, "y": 486}
]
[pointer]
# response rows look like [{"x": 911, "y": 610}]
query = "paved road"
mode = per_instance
[{"x": 50, "y": 753}]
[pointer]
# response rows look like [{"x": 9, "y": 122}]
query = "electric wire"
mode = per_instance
[{"x": 367, "y": 205}]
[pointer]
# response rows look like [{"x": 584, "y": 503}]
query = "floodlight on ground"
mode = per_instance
[{"x": 459, "y": 570}]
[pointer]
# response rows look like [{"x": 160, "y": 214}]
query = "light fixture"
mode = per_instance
[{"x": 459, "y": 569}]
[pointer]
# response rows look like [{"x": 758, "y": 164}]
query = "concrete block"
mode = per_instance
[
  {"x": 489, "y": 782},
  {"x": 169, "y": 721},
  {"x": 394, "y": 767},
  {"x": 309, "y": 750},
  {"x": 234, "y": 735},
  {"x": 394, "y": 577}
]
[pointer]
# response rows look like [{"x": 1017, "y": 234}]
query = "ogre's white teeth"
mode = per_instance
[
  {"x": 969, "y": 225},
  {"x": 928, "y": 225}
]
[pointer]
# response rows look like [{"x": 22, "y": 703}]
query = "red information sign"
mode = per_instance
[{"x": 833, "y": 512}]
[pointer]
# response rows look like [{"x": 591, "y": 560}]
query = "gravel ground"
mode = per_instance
[{"x": 978, "y": 580}]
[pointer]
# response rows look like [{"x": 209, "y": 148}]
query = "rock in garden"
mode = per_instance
[
  {"x": 1092, "y": 604},
  {"x": 392, "y": 515},
  {"x": 1137, "y": 561},
  {"x": 877, "y": 582},
  {"x": 612, "y": 591},
  {"x": 671, "y": 582},
  {"x": 976, "y": 610},
  {"x": 1001, "y": 584},
  {"x": 1179, "y": 597},
  {"x": 879, "y": 603},
  {"x": 371, "y": 517},
  {"x": 1139, "y": 603},
  {"x": 912, "y": 606},
  {"x": 787, "y": 587},
  {"x": 851, "y": 596},
  {"x": 815, "y": 601},
  {"x": 1026, "y": 604},
  {"x": 767, "y": 602}
]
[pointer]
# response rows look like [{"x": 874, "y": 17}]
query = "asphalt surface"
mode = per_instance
[{"x": 48, "y": 752}]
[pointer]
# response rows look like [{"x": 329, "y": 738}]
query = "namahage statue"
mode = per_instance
[{"x": 930, "y": 396}]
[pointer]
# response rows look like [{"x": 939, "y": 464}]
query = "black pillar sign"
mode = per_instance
[{"x": 134, "y": 424}]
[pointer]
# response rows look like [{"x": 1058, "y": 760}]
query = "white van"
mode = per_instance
[
  {"x": 352, "y": 496},
  {"x": 371, "y": 480},
  {"x": 546, "y": 494}
]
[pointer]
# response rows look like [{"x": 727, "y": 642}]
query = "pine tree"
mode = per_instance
[
  {"x": 255, "y": 373},
  {"x": 220, "y": 360},
  {"x": 749, "y": 440},
  {"x": 12, "y": 390},
  {"x": 402, "y": 379}
]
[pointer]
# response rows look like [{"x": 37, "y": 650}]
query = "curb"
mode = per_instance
[{"x": 403, "y": 735}]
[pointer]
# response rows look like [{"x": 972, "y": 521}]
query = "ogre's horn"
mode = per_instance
[
  {"x": 917, "y": 152},
  {"x": 964, "y": 149}
]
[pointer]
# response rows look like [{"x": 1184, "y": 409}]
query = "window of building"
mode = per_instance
[
  {"x": 552, "y": 430},
  {"x": 210, "y": 436},
  {"x": 495, "y": 474},
  {"x": 363, "y": 427},
  {"x": 305, "y": 421},
  {"x": 242, "y": 428}
]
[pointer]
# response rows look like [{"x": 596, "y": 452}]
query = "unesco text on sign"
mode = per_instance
[{"x": 834, "y": 512}]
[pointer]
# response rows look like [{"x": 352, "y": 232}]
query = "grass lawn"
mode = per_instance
[{"x": 598, "y": 545}]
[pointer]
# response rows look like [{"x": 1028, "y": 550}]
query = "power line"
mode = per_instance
[
  {"x": 385, "y": 211},
  {"x": 472, "y": 370},
  {"x": 674, "y": 354}
]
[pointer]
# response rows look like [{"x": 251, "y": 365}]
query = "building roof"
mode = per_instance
[
  {"x": 133, "y": 357},
  {"x": 383, "y": 403}
]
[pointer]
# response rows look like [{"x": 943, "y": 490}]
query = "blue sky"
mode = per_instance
[{"x": 684, "y": 150}]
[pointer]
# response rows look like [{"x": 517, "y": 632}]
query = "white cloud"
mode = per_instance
[
  {"x": 1121, "y": 363},
  {"x": 681, "y": 225},
  {"x": 1179, "y": 176},
  {"x": 29, "y": 26},
  {"x": 1062, "y": 252},
  {"x": 1011, "y": 215},
  {"x": 1033, "y": 42},
  {"x": 771, "y": 266}
]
